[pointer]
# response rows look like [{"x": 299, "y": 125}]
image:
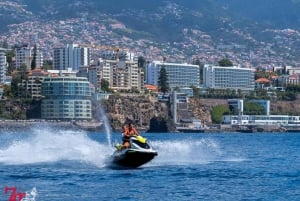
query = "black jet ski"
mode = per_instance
[{"x": 139, "y": 153}]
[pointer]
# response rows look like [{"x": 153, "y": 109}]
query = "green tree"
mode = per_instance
[
  {"x": 252, "y": 108},
  {"x": 33, "y": 62},
  {"x": 9, "y": 58},
  {"x": 287, "y": 96},
  {"x": 16, "y": 80},
  {"x": 104, "y": 85},
  {"x": 225, "y": 62},
  {"x": 163, "y": 80},
  {"x": 141, "y": 62},
  {"x": 293, "y": 88},
  {"x": 47, "y": 65},
  {"x": 196, "y": 91},
  {"x": 261, "y": 93},
  {"x": 218, "y": 112},
  {"x": 7, "y": 91}
]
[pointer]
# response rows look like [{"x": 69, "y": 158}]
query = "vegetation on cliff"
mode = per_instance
[
  {"x": 218, "y": 112},
  {"x": 163, "y": 80}
]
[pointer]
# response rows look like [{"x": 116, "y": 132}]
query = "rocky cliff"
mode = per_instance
[
  {"x": 142, "y": 110},
  {"x": 151, "y": 115}
]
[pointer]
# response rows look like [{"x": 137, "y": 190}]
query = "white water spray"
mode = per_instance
[
  {"x": 189, "y": 152},
  {"x": 50, "y": 146},
  {"x": 101, "y": 116}
]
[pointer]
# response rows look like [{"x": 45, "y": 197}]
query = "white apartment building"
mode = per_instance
[
  {"x": 121, "y": 75},
  {"x": 3, "y": 66},
  {"x": 72, "y": 56},
  {"x": 24, "y": 56},
  {"x": 39, "y": 60},
  {"x": 220, "y": 77},
  {"x": 179, "y": 75}
]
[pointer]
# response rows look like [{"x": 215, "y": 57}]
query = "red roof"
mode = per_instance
[
  {"x": 151, "y": 87},
  {"x": 262, "y": 80}
]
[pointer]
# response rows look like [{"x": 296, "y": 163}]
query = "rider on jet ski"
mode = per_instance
[{"x": 127, "y": 132}]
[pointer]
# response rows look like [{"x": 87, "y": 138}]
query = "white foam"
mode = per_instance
[
  {"x": 189, "y": 151},
  {"x": 48, "y": 146}
]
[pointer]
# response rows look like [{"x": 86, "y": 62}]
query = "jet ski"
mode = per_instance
[{"x": 139, "y": 153}]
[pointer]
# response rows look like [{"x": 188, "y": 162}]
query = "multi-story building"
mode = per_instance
[
  {"x": 121, "y": 75},
  {"x": 33, "y": 84},
  {"x": 72, "y": 56},
  {"x": 39, "y": 59},
  {"x": 3, "y": 66},
  {"x": 24, "y": 56},
  {"x": 91, "y": 73},
  {"x": 66, "y": 98},
  {"x": 220, "y": 77},
  {"x": 179, "y": 75}
]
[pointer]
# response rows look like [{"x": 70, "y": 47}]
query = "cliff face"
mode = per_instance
[
  {"x": 139, "y": 109},
  {"x": 286, "y": 107},
  {"x": 201, "y": 108},
  {"x": 149, "y": 114}
]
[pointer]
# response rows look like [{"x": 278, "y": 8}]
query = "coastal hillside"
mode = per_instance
[{"x": 259, "y": 32}]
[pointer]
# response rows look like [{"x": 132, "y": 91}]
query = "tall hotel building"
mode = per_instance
[
  {"x": 3, "y": 65},
  {"x": 72, "y": 56},
  {"x": 179, "y": 75},
  {"x": 66, "y": 98},
  {"x": 220, "y": 77},
  {"x": 24, "y": 56}
]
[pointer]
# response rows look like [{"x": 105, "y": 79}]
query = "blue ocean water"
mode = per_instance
[{"x": 65, "y": 165}]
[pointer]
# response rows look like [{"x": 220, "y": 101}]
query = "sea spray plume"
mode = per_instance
[
  {"x": 101, "y": 116},
  {"x": 49, "y": 146}
]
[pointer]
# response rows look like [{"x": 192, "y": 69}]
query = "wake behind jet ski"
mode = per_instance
[{"x": 135, "y": 150}]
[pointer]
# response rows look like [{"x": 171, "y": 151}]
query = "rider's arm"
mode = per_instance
[
  {"x": 135, "y": 131},
  {"x": 126, "y": 133}
]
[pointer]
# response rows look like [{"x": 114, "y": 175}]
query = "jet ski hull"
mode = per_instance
[{"x": 131, "y": 158}]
